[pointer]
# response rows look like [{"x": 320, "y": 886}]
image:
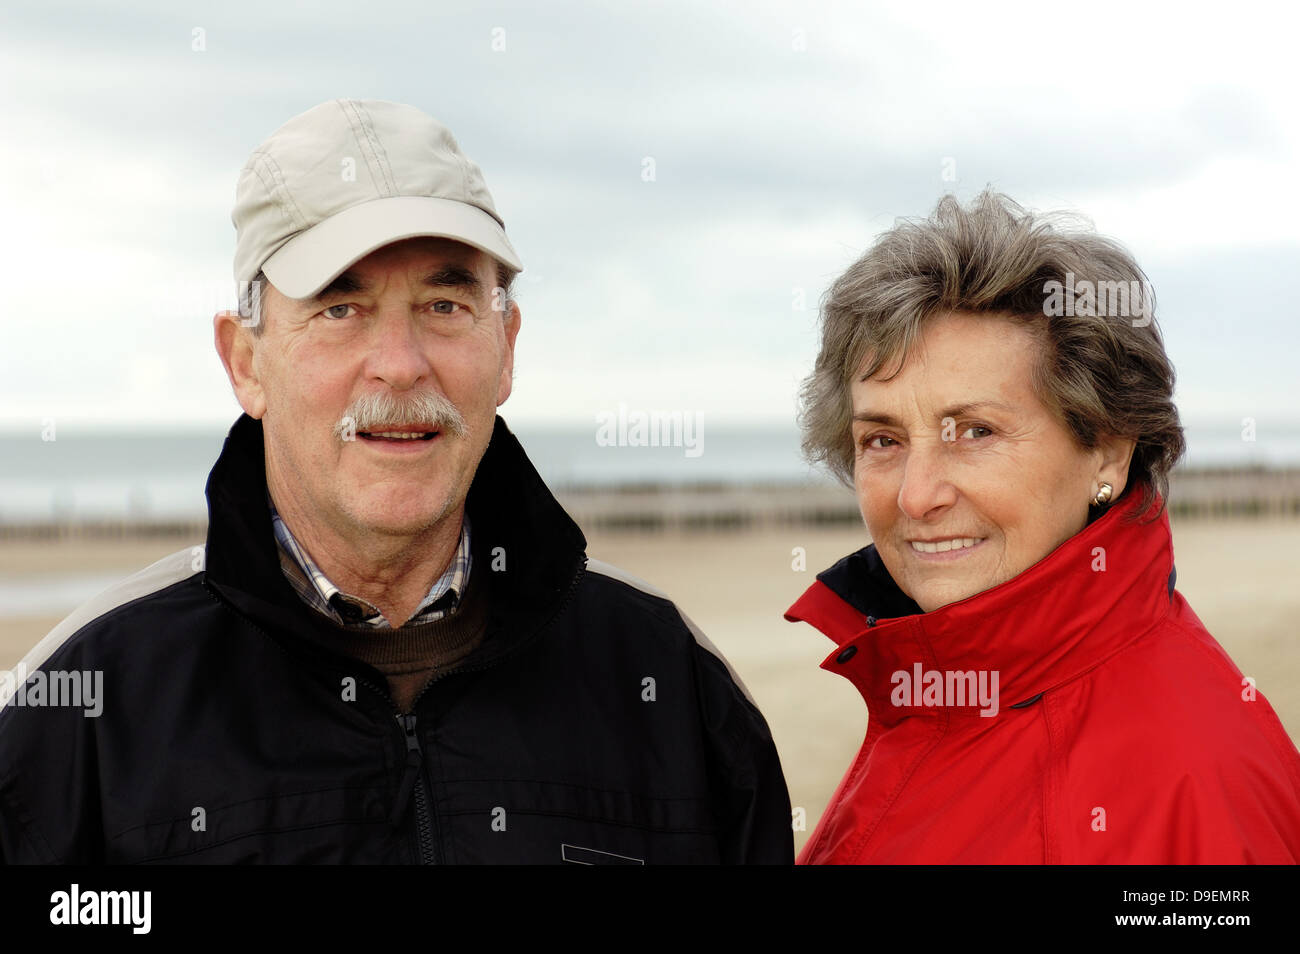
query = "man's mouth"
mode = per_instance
[{"x": 398, "y": 435}]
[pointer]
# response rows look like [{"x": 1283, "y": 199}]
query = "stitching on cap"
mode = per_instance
[
  {"x": 294, "y": 212},
  {"x": 378, "y": 146},
  {"x": 276, "y": 188},
  {"x": 464, "y": 168},
  {"x": 352, "y": 110},
  {"x": 362, "y": 138},
  {"x": 358, "y": 134}
]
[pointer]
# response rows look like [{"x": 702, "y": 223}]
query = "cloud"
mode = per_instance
[{"x": 784, "y": 136}]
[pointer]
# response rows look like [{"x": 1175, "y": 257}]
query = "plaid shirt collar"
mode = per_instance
[{"x": 315, "y": 589}]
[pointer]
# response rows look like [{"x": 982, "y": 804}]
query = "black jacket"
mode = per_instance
[{"x": 594, "y": 723}]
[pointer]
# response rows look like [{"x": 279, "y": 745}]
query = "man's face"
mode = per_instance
[{"x": 412, "y": 323}]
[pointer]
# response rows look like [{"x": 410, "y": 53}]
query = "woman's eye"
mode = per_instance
[
  {"x": 871, "y": 442},
  {"x": 977, "y": 427},
  {"x": 333, "y": 311}
]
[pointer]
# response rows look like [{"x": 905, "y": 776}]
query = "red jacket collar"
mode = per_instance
[{"x": 1057, "y": 619}]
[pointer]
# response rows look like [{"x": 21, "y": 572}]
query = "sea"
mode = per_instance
[{"x": 91, "y": 475}]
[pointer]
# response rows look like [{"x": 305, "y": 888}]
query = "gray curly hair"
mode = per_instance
[{"x": 1099, "y": 374}]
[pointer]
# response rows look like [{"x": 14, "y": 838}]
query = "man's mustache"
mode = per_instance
[{"x": 383, "y": 411}]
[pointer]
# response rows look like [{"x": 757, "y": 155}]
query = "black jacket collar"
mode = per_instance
[
  {"x": 530, "y": 549},
  {"x": 861, "y": 580}
]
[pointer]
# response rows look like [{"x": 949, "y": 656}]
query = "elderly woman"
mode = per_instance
[{"x": 1037, "y": 689}]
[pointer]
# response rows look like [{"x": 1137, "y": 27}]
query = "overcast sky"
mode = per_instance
[{"x": 785, "y": 136}]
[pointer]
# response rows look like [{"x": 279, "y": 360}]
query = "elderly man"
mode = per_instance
[{"x": 393, "y": 647}]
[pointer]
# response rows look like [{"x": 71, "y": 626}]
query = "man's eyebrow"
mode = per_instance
[
  {"x": 454, "y": 276},
  {"x": 450, "y": 276},
  {"x": 957, "y": 410},
  {"x": 345, "y": 284}
]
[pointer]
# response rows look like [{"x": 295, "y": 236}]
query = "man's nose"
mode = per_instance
[
  {"x": 926, "y": 484},
  {"x": 397, "y": 351}
]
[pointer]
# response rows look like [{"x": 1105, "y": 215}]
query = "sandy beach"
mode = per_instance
[{"x": 1237, "y": 575}]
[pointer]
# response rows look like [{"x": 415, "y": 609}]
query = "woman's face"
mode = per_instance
[{"x": 964, "y": 477}]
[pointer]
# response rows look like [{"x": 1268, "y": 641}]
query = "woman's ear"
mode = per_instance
[{"x": 1113, "y": 457}]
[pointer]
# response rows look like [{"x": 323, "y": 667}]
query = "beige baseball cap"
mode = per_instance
[{"x": 348, "y": 177}]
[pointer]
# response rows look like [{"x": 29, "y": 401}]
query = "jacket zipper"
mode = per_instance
[
  {"x": 413, "y": 780},
  {"x": 412, "y": 783},
  {"x": 413, "y": 777}
]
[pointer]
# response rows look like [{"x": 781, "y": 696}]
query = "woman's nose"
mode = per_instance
[{"x": 925, "y": 485}]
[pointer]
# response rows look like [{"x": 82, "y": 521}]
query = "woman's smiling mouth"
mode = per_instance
[{"x": 945, "y": 548}]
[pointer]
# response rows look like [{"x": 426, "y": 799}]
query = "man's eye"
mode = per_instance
[
  {"x": 444, "y": 307},
  {"x": 332, "y": 311}
]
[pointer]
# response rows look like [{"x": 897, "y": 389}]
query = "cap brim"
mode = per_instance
[{"x": 309, "y": 261}]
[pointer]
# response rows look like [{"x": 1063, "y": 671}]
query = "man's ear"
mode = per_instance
[
  {"x": 511, "y": 320},
  {"x": 234, "y": 342},
  {"x": 1113, "y": 457}
]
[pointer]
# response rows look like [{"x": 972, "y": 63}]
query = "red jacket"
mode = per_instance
[{"x": 1121, "y": 730}]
